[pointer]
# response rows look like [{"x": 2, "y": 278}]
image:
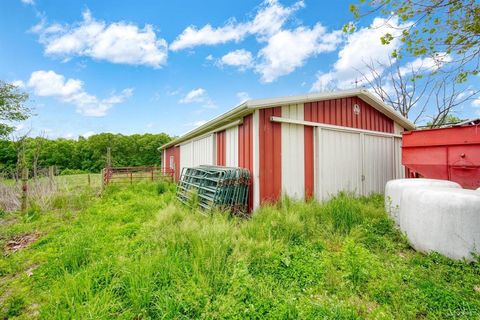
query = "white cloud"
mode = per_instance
[
  {"x": 476, "y": 102},
  {"x": 361, "y": 47},
  {"x": 195, "y": 95},
  {"x": 269, "y": 19},
  {"x": 243, "y": 96},
  {"x": 30, "y": 2},
  {"x": 239, "y": 58},
  {"x": 118, "y": 42},
  {"x": 198, "y": 95},
  {"x": 289, "y": 49},
  {"x": 426, "y": 64},
  {"x": 18, "y": 83},
  {"x": 52, "y": 84},
  {"x": 88, "y": 134}
]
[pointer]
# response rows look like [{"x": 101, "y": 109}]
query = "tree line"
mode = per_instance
[{"x": 82, "y": 155}]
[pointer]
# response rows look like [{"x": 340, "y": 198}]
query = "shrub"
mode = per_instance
[{"x": 66, "y": 172}]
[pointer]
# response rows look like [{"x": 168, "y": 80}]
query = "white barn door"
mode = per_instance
[
  {"x": 378, "y": 162},
  {"x": 338, "y": 165},
  {"x": 354, "y": 161}
]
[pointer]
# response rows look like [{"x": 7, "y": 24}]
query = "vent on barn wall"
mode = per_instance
[{"x": 356, "y": 109}]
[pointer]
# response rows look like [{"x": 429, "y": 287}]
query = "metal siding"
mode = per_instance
[
  {"x": 399, "y": 168},
  {"x": 197, "y": 152},
  {"x": 203, "y": 151},
  {"x": 338, "y": 163},
  {"x": 379, "y": 162},
  {"x": 186, "y": 155},
  {"x": 256, "y": 161},
  {"x": 220, "y": 151},
  {"x": 340, "y": 112},
  {"x": 245, "y": 152},
  {"x": 308, "y": 157},
  {"x": 231, "y": 147},
  {"x": 270, "y": 148},
  {"x": 293, "y": 173},
  {"x": 175, "y": 152}
]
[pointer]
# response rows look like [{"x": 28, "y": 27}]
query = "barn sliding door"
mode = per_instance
[
  {"x": 378, "y": 162},
  {"x": 358, "y": 162},
  {"x": 338, "y": 165}
]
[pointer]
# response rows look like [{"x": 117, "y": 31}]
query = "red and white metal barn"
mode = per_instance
[{"x": 313, "y": 145}]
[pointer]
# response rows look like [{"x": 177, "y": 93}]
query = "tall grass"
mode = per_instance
[{"x": 134, "y": 253}]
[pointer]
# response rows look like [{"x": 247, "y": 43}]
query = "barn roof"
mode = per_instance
[{"x": 249, "y": 106}]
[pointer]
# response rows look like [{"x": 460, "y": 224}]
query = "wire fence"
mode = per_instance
[
  {"x": 130, "y": 175},
  {"x": 18, "y": 191}
]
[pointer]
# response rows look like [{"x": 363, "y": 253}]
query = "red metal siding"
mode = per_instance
[
  {"x": 270, "y": 144},
  {"x": 339, "y": 112},
  {"x": 175, "y": 152},
  {"x": 308, "y": 161},
  {"x": 221, "y": 148},
  {"x": 245, "y": 152}
]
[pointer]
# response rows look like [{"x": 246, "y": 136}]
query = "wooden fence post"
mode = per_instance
[
  {"x": 24, "y": 198},
  {"x": 103, "y": 178},
  {"x": 51, "y": 174},
  {"x": 88, "y": 177},
  {"x": 109, "y": 157}
]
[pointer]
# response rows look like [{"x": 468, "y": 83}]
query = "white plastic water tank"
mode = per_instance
[
  {"x": 446, "y": 220},
  {"x": 395, "y": 188}
]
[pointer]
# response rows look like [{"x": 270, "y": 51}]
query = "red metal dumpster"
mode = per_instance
[{"x": 446, "y": 153}]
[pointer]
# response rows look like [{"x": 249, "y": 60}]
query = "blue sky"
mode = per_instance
[{"x": 167, "y": 66}]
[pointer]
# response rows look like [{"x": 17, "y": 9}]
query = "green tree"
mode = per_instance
[
  {"x": 450, "y": 119},
  {"x": 12, "y": 107},
  {"x": 433, "y": 28}
]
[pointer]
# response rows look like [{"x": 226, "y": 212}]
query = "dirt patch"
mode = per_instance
[{"x": 21, "y": 241}]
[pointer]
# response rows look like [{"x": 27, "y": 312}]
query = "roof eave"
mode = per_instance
[{"x": 213, "y": 124}]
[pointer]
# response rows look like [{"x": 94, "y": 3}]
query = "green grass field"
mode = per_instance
[{"x": 134, "y": 253}]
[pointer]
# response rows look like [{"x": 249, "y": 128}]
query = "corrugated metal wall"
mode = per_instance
[
  {"x": 221, "y": 152},
  {"x": 399, "y": 168},
  {"x": 270, "y": 160},
  {"x": 172, "y": 160},
  {"x": 245, "y": 151},
  {"x": 231, "y": 147},
  {"x": 293, "y": 174},
  {"x": 352, "y": 161},
  {"x": 198, "y": 152},
  {"x": 378, "y": 162},
  {"x": 338, "y": 163},
  {"x": 341, "y": 112}
]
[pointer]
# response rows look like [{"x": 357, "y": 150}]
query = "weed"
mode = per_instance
[
  {"x": 135, "y": 253},
  {"x": 344, "y": 212}
]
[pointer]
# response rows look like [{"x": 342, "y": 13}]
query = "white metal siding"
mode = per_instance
[
  {"x": 231, "y": 147},
  {"x": 399, "y": 168},
  {"x": 338, "y": 165},
  {"x": 293, "y": 166},
  {"x": 197, "y": 152},
  {"x": 186, "y": 155},
  {"x": 378, "y": 162}
]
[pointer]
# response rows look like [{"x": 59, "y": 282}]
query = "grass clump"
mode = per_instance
[{"x": 136, "y": 253}]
